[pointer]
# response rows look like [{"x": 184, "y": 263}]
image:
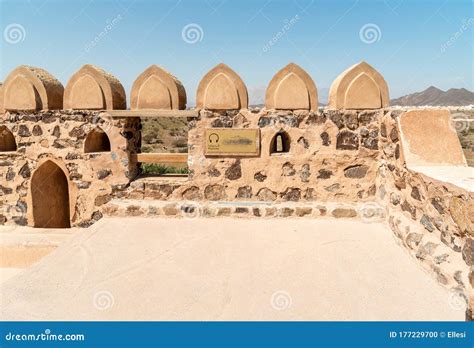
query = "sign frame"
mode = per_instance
[{"x": 239, "y": 135}]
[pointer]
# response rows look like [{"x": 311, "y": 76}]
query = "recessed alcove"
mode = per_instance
[
  {"x": 7, "y": 140},
  {"x": 97, "y": 141},
  {"x": 280, "y": 143}
]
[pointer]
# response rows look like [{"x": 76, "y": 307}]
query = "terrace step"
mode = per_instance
[{"x": 368, "y": 211}]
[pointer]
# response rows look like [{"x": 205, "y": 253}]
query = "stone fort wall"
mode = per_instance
[{"x": 70, "y": 155}]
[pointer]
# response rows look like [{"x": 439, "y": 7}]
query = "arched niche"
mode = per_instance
[
  {"x": 222, "y": 89},
  {"x": 359, "y": 87},
  {"x": 155, "y": 88},
  {"x": 28, "y": 88},
  {"x": 280, "y": 143},
  {"x": 291, "y": 88},
  {"x": 97, "y": 141},
  {"x": 50, "y": 198},
  {"x": 92, "y": 88},
  {"x": 7, "y": 140}
]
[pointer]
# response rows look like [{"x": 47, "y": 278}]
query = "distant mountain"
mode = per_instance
[{"x": 435, "y": 97}]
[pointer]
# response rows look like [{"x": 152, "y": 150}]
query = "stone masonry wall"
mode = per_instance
[
  {"x": 333, "y": 156},
  {"x": 60, "y": 136},
  {"x": 434, "y": 220}
]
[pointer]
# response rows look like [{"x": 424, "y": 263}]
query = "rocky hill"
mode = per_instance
[{"x": 433, "y": 96}]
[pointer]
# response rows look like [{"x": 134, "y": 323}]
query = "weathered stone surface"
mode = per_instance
[
  {"x": 305, "y": 173},
  {"x": 409, "y": 209},
  {"x": 23, "y": 131},
  {"x": 290, "y": 89},
  {"x": 426, "y": 250},
  {"x": 158, "y": 190},
  {"x": 265, "y": 194},
  {"x": 394, "y": 135},
  {"x": 356, "y": 172},
  {"x": 344, "y": 213},
  {"x": 291, "y": 194},
  {"x": 260, "y": 176},
  {"x": 234, "y": 172},
  {"x": 288, "y": 169},
  {"x": 102, "y": 174},
  {"x": 324, "y": 174},
  {"x": 303, "y": 142},
  {"x": 10, "y": 174},
  {"x": 347, "y": 140},
  {"x": 309, "y": 194},
  {"x": 333, "y": 188},
  {"x": 101, "y": 200},
  {"x": 426, "y": 222},
  {"x": 5, "y": 190},
  {"x": 286, "y": 212},
  {"x": 303, "y": 211},
  {"x": 37, "y": 131},
  {"x": 325, "y": 139},
  {"x": 441, "y": 258},
  {"x": 214, "y": 192},
  {"x": 244, "y": 192},
  {"x": 468, "y": 252},
  {"x": 413, "y": 240},
  {"x": 170, "y": 210},
  {"x": 462, "y": 213},
  {"x": 25, "y": 171},
  {"x": 436, "y": 203},
  {"x": 415, "y": 193},
  {"x": 192, "y": 193}
]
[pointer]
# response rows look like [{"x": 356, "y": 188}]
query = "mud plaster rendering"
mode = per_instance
[{"x": 69, "y": 156}]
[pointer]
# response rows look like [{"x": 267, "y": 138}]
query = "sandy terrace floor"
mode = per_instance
[{"x": 227, "y": 269}]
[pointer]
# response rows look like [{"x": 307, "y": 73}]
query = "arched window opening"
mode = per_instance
[
  {"x": 97, "y": 141},
  {"x": 280, "y": 143},
  {"x": 7, "y": 140}
]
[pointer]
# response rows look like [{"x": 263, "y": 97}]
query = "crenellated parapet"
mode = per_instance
[
  {"x": 92, "y": 88},
  {"x": 359, "y": 87},
  {"x": 222, "y": 89},
  {"x": 155, "y": 88},
  {"x": 28, "y": 89},
  {"x": 291, "y": 89}
]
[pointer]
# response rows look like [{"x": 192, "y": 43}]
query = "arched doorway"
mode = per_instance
[{"x": 50, "y": 197}]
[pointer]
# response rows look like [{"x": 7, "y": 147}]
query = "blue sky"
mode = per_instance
[{"x": 414, "y": 44}]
